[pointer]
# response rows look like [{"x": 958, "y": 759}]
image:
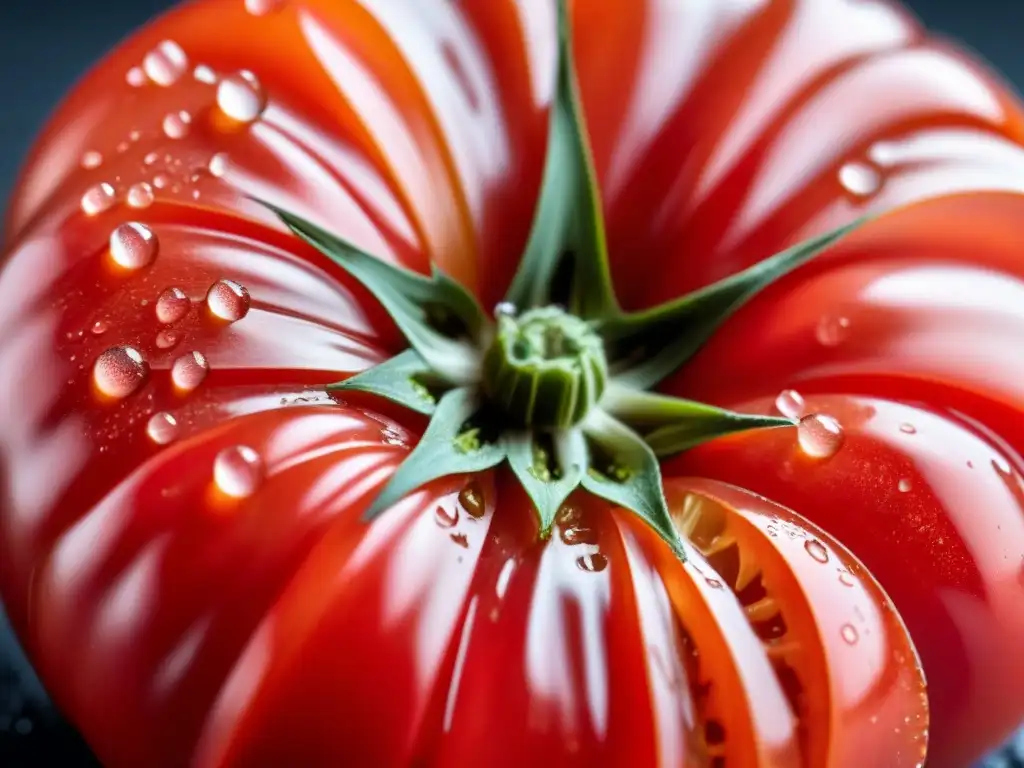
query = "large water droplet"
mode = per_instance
[
  {"x": 446, "y": 518},
  {"x": 218, "y": 165},
  {"x": 849, "y": 634},
  {"x": 262, "y": 7},
  {"x": 140, "y": 195},
  {"x": 860, "y": 179},
  {"x": 816, "y": 550},
  {"x": 228, "y": 300},
  {"x": 165, "y": 63},
  {"x": 172, "y": 305},
  {"x": 820, "y": 436},
  {"x": 162, "y": 428},
  {"x": 592, "y": 563},
  {"x": 832, "y": 330},
  {"x": 189, "y": 370},
  {"x": 98, "y": 199},
  {"x": 472, "y": 500},
  {"x": 167, "y": 339},
  {"x": 92, "y": 159},
  {"x": 790, "y": 404},
  {"x": 238, "y": 471},
  {"x": 119, "y": 371},
  {"x": 240, "y": 97},
  {"x": 176, "y": 124},
  {"x": 133, "y": 245}
]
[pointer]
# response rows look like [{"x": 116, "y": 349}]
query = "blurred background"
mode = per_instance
[{"x": 46, "y": 44}]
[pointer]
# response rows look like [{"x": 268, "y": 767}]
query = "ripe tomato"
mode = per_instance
[{"x": 181, "y": 548}]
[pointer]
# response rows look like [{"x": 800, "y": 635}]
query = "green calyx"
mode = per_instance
[{"x": 560, "y": 395}]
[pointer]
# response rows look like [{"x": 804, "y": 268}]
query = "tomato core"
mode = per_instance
[{"x": 545, "y": 368}]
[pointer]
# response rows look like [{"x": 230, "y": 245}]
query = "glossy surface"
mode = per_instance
[{"x": 235, "y": 610}]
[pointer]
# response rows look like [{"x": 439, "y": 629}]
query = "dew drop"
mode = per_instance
[
  {"x": 151, "y": 158},
  {"x": 140, "y": 195},
  {"x": 119, "y": 371},
  {"x": 92, "y": 159},
  {"x": 98, "y": 199},
  {"x": 505, "y": 308},
  {"x": 189, "y": 370},
  {"x": 218, "y": 165},
  {"x": 908, "y": 429},
  {"x": 134, "y": 136},
  {"x": 172, "y": 305},
  {"x": 577, "y": 534},
  {"x": 832, "y": 330},
  {"x": 790, "y": 404},
  {"x": 592, "y": 563},
  {"x": 820, "y": 436},
  {"x": 860, "y": 179},
  {"x": 461, "y": 539},
  {"x": 168, "y": 339},
  {"x": 176, "y": 124},
  {"x": 904, "y": 485},
  {"x": 262, "y": 7},
  {"x": 133, "y": 245},
  {"x": 161, "y": 180},
  {"x": 816, "y": 550},
  {"x": 238, "y": 471},
  {"x": 165, "y": 63},
  {"x": 849, "y": 634},
  {"x": 446, "y": 518},
  {"x": 204, "y": 74},
  {"x": 714, "y": 583},
  {"x": 121, "y": 148},
  {"x": 846, "y": 579},
  {"x": 100, "y": 327},
  {"x": 162, "y": 428},
  {"x": 135, "y": 77},
  {"x": 240, "y": 97},
  {"x": 228, "y": 300},
  {"x": 472, "y": 501}
]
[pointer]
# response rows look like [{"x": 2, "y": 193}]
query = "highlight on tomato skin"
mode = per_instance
[{"x": 183, "y": 549}]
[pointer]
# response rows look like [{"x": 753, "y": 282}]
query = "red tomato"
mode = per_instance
[{"x": 181, "y": 547}]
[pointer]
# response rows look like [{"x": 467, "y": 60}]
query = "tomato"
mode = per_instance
[{"x": 181, "y": 543}]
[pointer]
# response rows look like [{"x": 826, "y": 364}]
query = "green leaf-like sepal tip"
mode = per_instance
[
  {"x": 403, "y": 379},
  {"x": 549, "y": 467}
]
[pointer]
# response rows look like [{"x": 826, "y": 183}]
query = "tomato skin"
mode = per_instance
[{"x": 279, "y": 628}]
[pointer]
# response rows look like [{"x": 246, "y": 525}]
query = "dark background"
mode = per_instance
[{"x": 46, "y": 44}]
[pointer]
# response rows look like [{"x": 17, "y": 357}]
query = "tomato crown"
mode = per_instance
[{"x": 561, "y": 392}]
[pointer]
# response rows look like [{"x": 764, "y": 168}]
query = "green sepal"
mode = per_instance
[
  {"x": 442, "y": 451},
  {"x": 402, "y": 379},
  {"x": 547, "y": 479},
  {"x": 647, "y": 346},
  {"x": 407, "y": 297},
  {"x": 568, "y": 218},
  {"x": 633, "y": 480},
  {"x": 671, "y": 425}
]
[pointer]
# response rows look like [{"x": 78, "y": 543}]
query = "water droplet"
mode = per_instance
[
  {"x": 176, "y": 124},
  {"x": 165, "y": 63},
  {"x": 92, "y": 159},
  {"x": 846, "y": 579},
  {"x": 461, "y": 539},
  {"x": 592, "y": 563},
  {"x": 204, "y": 74},
  {"x": 472, "y": 500},
  {"x": 168, "y": 339},
  {"x": 238, "y": 471},
  {"x": 133, "y": 245},
  {"x": 98, "y": 199},
  {"x": 790, "y": 404},
  {"x": 134, "y": 135},
  {"x": 151, "y": 158},
  {"x": 849, "y": 634},
  {"x": 820, "y": 436},
  {"x": 228, "y": 300},
  {"x": 121, "y": 148},
  {"x": 262, "y": 7},
  {"x": 100, "y": 327},
  {"x": 446, "y": 518},
  {"x": 161, "y": 180},
  {"x": 189, "y": 370},
  {"x": 218, "y": 165},
  {"x": 860, "y": 179},
  {"x": 240, "y": 97},
  {"x": 393, "y": 436},
  {"x": 904, "y": 485},
  {"x": 119, "y": 371},
  {"x": 135, "y": 77},
  {"x": 577, "y": 534},
  {"x": 139, "y": 195},
  {"x": 713, "y": 583},
  {"x": 816, "y": 550},
  {"x": 908, "y": 429},
  {"x": 172, "y": 305},
  {"x": 832, "y": 330},
  {"x": 162, "y": 428},
  {"x": 506, "y": 308}
]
